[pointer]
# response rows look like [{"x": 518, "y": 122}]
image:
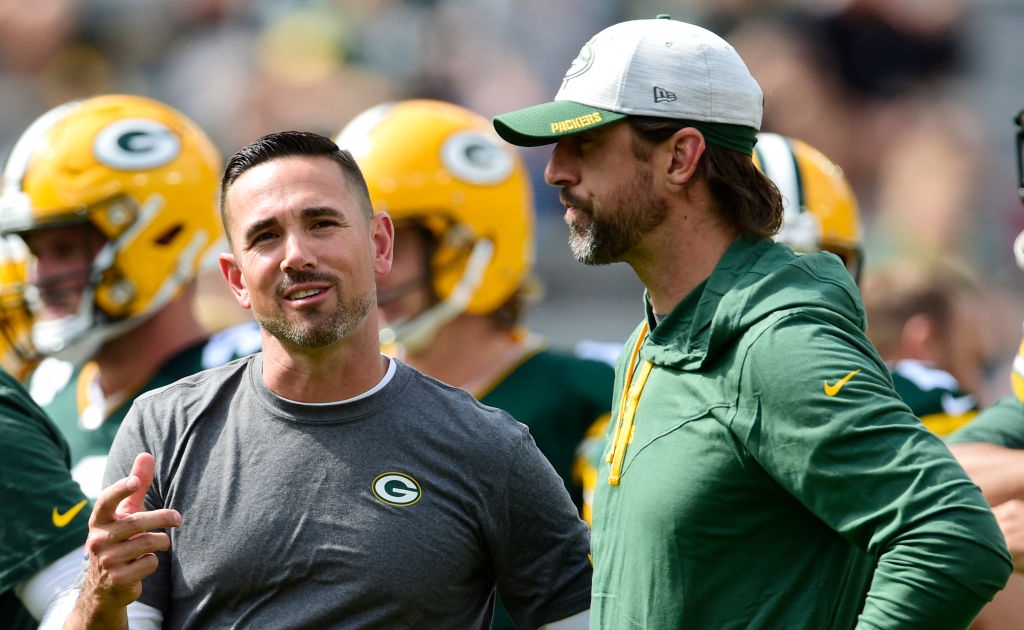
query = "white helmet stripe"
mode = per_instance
[
  {"x": 17, "y": 161},
  {"x": 778, "y": 162}
]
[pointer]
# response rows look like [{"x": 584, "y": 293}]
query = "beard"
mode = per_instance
[
  {"x": 617, "y": 225},
  {"x": 316, "y": 330}
]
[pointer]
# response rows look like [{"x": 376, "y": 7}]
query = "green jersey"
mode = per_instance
[
  {"x": 46, "y": 515},
  {"x": 933, "y": 395}
]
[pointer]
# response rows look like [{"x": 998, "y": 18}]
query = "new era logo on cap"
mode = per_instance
[
  {"x": 661, "y": 95},
  {"x": 661, "y": 68}
]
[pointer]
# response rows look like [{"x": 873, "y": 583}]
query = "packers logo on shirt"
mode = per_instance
[{"x": 395, "y": 488}]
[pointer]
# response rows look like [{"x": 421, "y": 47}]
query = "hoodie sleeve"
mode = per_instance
[{"x": 833, "y": 433}]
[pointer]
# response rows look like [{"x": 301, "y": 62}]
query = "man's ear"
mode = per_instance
[
  {"x": 687, "y": 146},
  {"x": 382, "y": 232},
  {"x": 236, "y": 281},
  {"x": 918, "y": 336}
]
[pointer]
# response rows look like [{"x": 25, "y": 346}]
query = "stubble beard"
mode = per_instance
[
  {"x": 318, "y": 330},
  {"x": 617, "y": 226}
]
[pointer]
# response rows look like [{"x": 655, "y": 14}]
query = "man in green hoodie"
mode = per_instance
[{"x": 762, "y": 472}]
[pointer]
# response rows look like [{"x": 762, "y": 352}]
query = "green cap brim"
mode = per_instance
[{"x": 546, "y": 123}]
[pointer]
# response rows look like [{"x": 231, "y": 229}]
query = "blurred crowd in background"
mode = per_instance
[{"x": 913, "y": 98}]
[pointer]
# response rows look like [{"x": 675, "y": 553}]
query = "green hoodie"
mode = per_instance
[{"x": 773, "y": 479}]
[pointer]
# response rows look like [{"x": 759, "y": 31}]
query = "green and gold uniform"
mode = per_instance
[
  {"x": 933, "y": 395},
  {"x": 46, "y": 515}
]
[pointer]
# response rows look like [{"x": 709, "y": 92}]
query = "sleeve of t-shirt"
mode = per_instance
[
  {"x": 1001, "y": 423},
  {"x": 835, "y": 435},
  {"x": 541, "y": 559},
  {"x": 132, "y": 439},
  {"x": 48, "y": 514}
]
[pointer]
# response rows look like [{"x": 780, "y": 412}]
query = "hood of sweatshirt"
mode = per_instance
[{"x": 756, "y": 278}]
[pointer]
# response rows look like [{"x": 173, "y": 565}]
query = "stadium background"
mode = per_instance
[{"x": 914, "y": 98}]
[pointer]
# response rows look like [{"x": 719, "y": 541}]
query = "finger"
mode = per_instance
[
  {"x": 109, "y": 555},
  {"x": 111, "y": 539},
  {"x": 106, "y": 507},
  {"x": 142, "y": 469},
  {"x": 141, "y": 522},
  {"x": 124, "y": 581}
]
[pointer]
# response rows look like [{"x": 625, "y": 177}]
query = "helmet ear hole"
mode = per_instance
[{"x": 168, "y": 236}]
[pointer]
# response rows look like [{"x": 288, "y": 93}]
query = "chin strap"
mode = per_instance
[{"x": 416, "y": 333}]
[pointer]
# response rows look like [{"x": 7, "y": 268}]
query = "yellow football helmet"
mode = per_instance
[
  {"x": 441, "y": 166},
  {"x": 17, "y": 354},
  {"x": 820, "y": 209},
  {"x": 141, "y": 173}
]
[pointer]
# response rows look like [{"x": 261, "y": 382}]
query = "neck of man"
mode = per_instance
[
  {"x": 341, "y": 370},
  {"x": 679, "y": 254}
]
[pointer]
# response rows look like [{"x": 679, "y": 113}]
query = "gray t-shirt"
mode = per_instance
[{"x": 402, "y": 509}]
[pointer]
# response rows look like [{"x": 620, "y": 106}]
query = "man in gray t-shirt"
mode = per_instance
[
  {"x": 400, "y": 509},
  {"x": 320, "y": 484}
]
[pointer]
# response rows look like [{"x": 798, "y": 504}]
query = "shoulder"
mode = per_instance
[
  {"x": 569, "y": 365},
  {"x": 439, "y": 407},
  {"x": 806, "y": 359},
  {"x": 211, "y": 380}
]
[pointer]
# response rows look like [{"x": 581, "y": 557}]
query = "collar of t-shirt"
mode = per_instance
[{"x": 373, "y": 390}]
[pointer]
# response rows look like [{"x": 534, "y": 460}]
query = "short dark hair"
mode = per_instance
[
  {"x": 292, "y": 143},
  {"x": 745, "y": 195}
]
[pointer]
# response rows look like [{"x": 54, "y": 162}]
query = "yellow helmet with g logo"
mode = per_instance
[
  {"x": 820, "y": 209},
  {"x": 142, "y": 174},
  {"x": 442, "y": 166},
  {"x": 17, "y": 354}
]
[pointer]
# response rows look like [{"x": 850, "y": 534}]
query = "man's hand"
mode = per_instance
[
  {"x": 121, "y": 549},
  {"x": 1010, "y": 516}
]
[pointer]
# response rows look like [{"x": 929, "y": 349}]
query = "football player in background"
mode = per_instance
[
  {"x": 44, "y": 514},
  {"x": 925, "y": 317},
  {"x": 115, "y": 197},
  {"x": 991, "y": 450},
  {"x": 461, "y": 283}
]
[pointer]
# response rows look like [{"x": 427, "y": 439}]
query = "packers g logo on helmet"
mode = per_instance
[
  {"x": 820, "y": 211},
  {"x": 141, "y": 173},
  {"x": 135, "y": 144}
]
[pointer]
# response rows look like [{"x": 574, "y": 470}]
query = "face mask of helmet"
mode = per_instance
[{"x": 145, "y": 178}]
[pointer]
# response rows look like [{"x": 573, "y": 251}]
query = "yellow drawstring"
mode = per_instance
[{"x": 627, "y": 410}]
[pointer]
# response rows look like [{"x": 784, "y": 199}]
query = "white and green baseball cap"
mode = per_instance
[{"x": 656, "y": 67}]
